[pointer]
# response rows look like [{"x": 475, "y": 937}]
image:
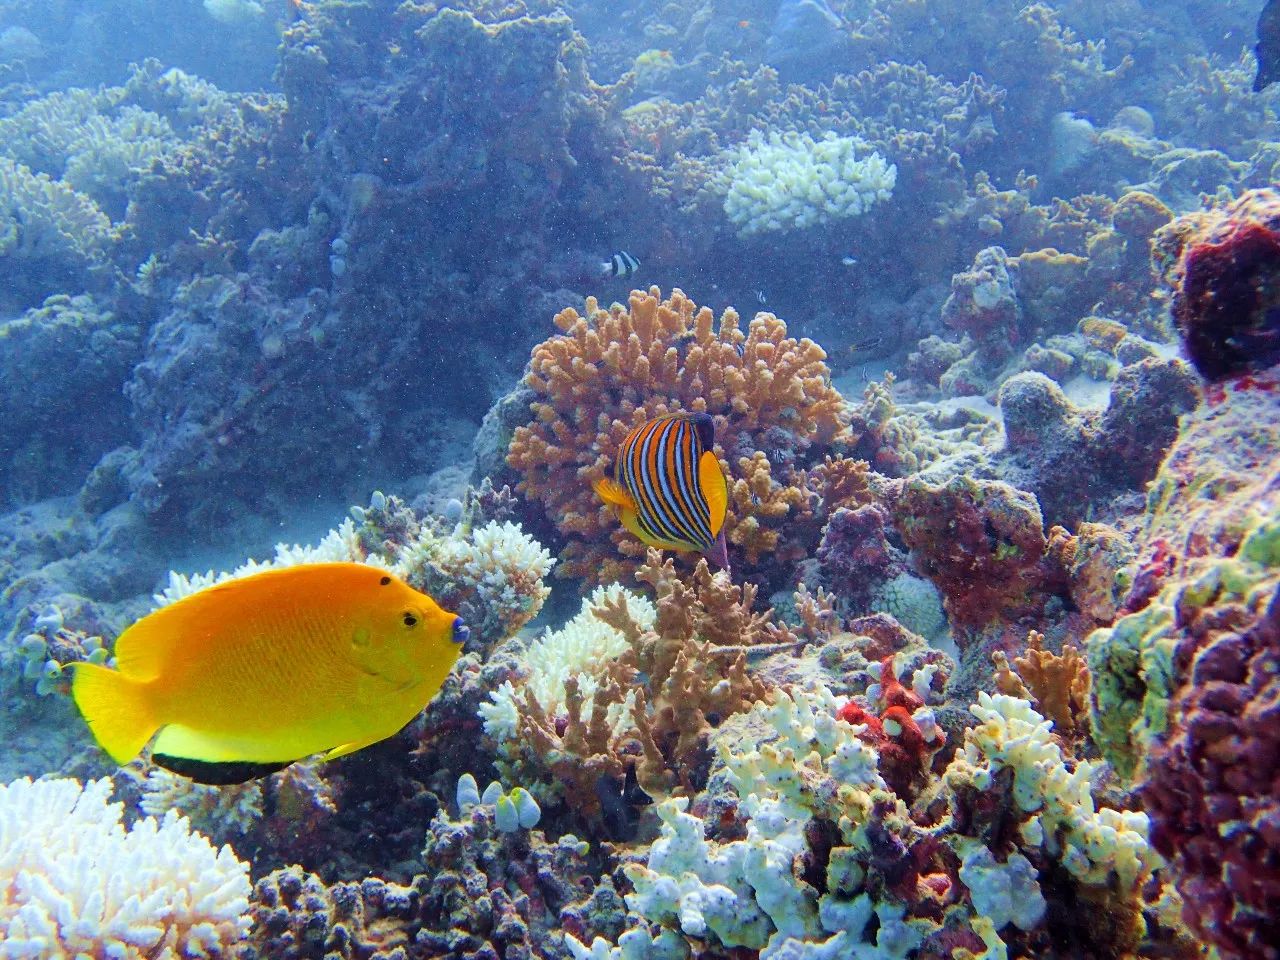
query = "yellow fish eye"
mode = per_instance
[{"x": 411, "y": 618}]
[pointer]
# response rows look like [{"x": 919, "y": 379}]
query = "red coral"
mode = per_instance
[
  {"x": 1224, "y": 267},
  {"x": 895, "y": 734},
  {"x": 982, "y": 544}
]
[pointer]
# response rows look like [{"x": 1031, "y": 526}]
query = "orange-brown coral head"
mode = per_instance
[{"x": 668, "y": 488}]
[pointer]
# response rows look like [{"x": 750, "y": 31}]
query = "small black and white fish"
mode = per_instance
[{"x": 621, "y": 264}]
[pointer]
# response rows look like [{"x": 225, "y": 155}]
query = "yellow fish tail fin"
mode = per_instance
[
  {"x": 613, "y": 494},
  {"x": 715, "y": 488},
  {"x": 116, "y": 708}
]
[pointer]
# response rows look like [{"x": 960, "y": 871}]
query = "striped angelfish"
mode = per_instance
[{"x": 668, "y": 488}]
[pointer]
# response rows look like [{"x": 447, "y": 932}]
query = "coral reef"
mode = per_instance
[
  {"x": 1184, "y": 679},
  {"x": 481, "y": 892},
  {"x": 610, "y": 370},
  {"x": 983, "y": 545},
  {"x": 1074, "y": 460},
  {"x": 75, "y": 882},
  {"x": 627, "y": 692}
]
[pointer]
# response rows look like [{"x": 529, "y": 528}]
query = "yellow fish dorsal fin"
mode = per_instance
[
  {"x": 715, "y": 488},
  {"x": 614, "y": 495}
]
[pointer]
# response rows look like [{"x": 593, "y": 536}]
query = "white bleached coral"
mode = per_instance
[
  {"x": 792, "y": 181},
  {"x": 809, "y": 749},
  {"x": 234, "y": 12},
  {"x": 579, "y": 649},
  {"x": 341, "y": 545},
  {"x": 74, "y": 883},
  {"x": 237, "y": 807},
  {"x": 503, "y": 567},
  {"x": 1090, "y": 842}
]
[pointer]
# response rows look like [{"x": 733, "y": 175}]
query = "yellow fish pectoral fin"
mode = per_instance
[
  {"x": 345, "y": 748},
  {"x": 613, "y": 494},
  {"x": 715, "y": 488}
]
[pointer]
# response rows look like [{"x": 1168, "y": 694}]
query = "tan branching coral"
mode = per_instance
[
  {"x": 610, "y": 370},
  {"x": 1058, "y": 684},
  {"x": 646, "y": 712}
]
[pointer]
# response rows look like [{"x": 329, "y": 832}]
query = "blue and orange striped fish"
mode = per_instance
[{"x": 668, "y": 488}]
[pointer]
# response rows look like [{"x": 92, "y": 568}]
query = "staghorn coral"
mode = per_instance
[
  {"x": 613, "y": 369},
  {"x": 74, "y": 882}
]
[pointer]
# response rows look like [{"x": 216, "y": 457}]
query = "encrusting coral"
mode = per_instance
[
  {"x": 611, "y": 370},
  {"x": 74, "y": 882},
  {"x": 1223, "y": 266}
]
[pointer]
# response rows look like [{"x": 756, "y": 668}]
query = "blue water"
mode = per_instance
[{"x": 262, "y": 261}]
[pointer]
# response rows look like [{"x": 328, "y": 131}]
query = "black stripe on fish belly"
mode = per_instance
[{"x": 217, "y": 773}]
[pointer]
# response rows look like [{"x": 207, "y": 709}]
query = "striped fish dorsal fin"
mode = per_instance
[
  {"x": 715, "y": 488},
  {"x": 706, "y": 429}
]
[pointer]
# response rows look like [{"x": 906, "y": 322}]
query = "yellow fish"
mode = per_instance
[{"x": 249, "y": 675}]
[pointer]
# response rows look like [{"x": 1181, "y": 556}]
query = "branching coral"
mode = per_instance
[
  {"x": 628, "y": 691},
  {"x": 73, "y": 882},
  {"x": 483, "y": 892},
  {"x": 1058, "y": 684},
  {"x": 770, "y": 395}
]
